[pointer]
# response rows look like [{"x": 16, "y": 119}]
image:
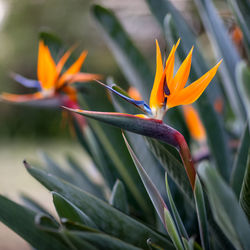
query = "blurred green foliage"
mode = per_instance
[{"x": 23, "y": 20}]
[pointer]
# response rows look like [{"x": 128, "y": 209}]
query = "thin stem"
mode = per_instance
[{"x": 186, "y": 157}]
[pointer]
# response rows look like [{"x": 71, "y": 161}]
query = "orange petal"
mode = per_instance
[
  {"x": 46, "y": 67},
  {"x": 21, "y": 98},
  {"x": 40, "y": 62},
  {"x": 64, "y": 59},
  {"x": 194, "y": 123},
  {"x": 83, "y": 77},
  {"x": 192, "y": 92},
  {"x": 73, "y": 69},
  {"x": 157, "y": 93},
  {"x": 170, "y": 67},
  {"x": 182, "y": 74}
]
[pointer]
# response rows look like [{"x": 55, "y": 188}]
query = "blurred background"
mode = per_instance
[{"x": 25, "y": 130}]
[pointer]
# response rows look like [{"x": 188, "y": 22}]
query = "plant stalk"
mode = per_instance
[{"x": 186, "y": 157}]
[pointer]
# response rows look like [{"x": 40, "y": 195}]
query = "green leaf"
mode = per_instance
[
  {"x": 245, "y": 190},
  {"x": 173, "y": 167},
  {"x": 191, "y": 244},
  {"x": 47, "y": 223},
  {"x": 201, "y": 213},
  {"x": 241, "y": 9},
  {"x": 147, "y": 160},
  {"x": 225, "y": 208},
  {"x": 144, "y": 126},
  {"x": 240, "y": 162},
  {"x": 54, "y": 168},
  {"x": 187, "y": 244},
  {"x": 118, "y": 159},
  {"x": 80, "y": 243},
  {"x": 21, "y": 220},
  {"x": 89, "y": 142},
  {"x": 81, "y": 178},
  {"x": 216, "y": 136},
  {"x": 102, "y": 241},
  {"x": 153, "y": 246},
  {"x": 243, "y": 77},
  {"x": 139, "y": 146},
  {"x": 129, "y": 58},
  {"x": 224, "y": 49},
  {"x": 118, "y": 198},
  {"x": 73, "y": 225},
  {"x": 153, "y": 192},
  {"x": 174, "y": 210},
  {"x": 172, "y": 230},
  {"x": 107, "y": 218},
  {"x": 120, "y": 163},
  {"x": 68, "y": 210}
]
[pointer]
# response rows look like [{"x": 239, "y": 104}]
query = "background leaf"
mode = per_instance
[
  {"x": 103, "y": 241},
  {"x": 216, "y": 135},
  {"x": 22, "y": 221},
  {"x": 153, "y": 193},
  {"x": 240, "y": 162},
  {"x": 119, "y": 161},
  {"x": 241, "y": 9},
  {"x": 118, "y": 198},
  {"x": 173, "y": 167},
  {"x": 129, "y": 58},
  {"x": 172, "y": 230},
  {"x": 67, "y": 210},
  {"x": 243, "y": 76},
  {"x": 201, "y": 213},
  {"x": 245, "y": 190},
  {"x": 223, "y": 48},
  {"x": 100, "y": 212},
  {"x": 225, "y": 208},
  {"x": 174, "y": 210}
]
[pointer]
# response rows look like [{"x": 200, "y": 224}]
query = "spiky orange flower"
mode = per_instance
[
  {"x": 169, "y": 90},
  {"x": 51, "y": 81}
]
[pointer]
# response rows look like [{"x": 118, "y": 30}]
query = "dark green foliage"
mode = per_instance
[{"x": 133, "y": 206}]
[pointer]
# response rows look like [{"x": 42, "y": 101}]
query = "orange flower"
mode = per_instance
[
  {"x": 51, "y": 81},
  {"x": 168, "y": 89},
  {"x": 194, "y": 123}
]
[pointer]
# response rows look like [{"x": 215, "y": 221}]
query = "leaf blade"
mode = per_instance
[
  {"x": 118, "y": 198},
  {"x": 100, "y": 212},
  {"x": 21, "y": 220},
  {"x": 201, "y": 213},
  {"x": 225, "y": 208},
  {"x": 240, "y": 162}
]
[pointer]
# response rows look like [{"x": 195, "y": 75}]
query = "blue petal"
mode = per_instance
[
  {"x": 140, "y": 104},
  {"x": 29, "y": 83}
]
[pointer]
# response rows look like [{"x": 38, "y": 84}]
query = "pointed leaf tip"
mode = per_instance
[{"x": 26, "y": 164}]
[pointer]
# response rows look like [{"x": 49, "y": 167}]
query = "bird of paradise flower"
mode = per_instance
[
  {"x": 168, "y": 91},
  {"x": 51, "y": 83}
]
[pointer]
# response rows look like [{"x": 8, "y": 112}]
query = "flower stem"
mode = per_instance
[{"x": 186, "y": 157}]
